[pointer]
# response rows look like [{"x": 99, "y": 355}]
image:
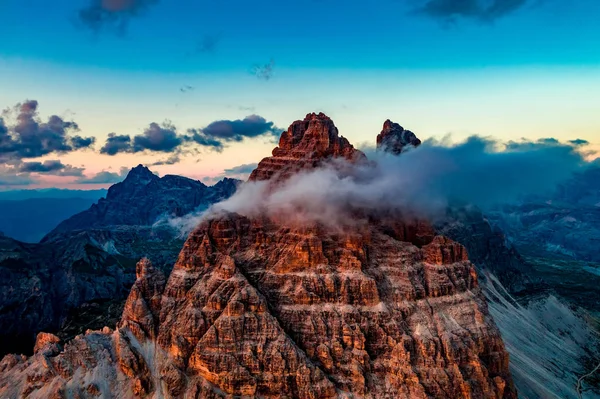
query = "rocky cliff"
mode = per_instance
[
  {"x": 266, "y": 307},
  {"x": 395, "y": 139},
  {"x": 306, "y": 145},
  {"x": 81, "y": 274}
]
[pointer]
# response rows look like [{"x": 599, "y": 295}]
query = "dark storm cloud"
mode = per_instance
[
  {"x": 217, "y": 134},
  {"x": 239, "y": 129},
  {"x": 165, "y": 139},
  {"x": 485, "y": 10},
  {"x": 198, "y": 137},
  {"x": 104, "y": 177},
  {"x": 156, "y": 138},
  {"x": 82, "y": 142},
  {"x": 112, "y": 14},
  {"x": 579, "y": 142},
  {"x": 115, "y": 144},
  {"x": 50, "y": 168},
  {"x": 28, "y": 137}
]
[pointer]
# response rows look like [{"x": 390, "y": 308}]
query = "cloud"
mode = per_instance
[
  {"x": 483, "y": 10},
  {"x": 422, "y": 181},
  {"x": 115, "y": 144},
  {"x": 9, "y": 176},
  {"x": 237, "y": 130},
  {"x": 165, "y": 139},
  {"x": 172, "y": 160},
  {"x": 104, "y": 177},
  {"x": 156, "y": 138},
  {"x": 112, "y": 14},
  {"x": 27, "y": 136},
  {"x": 82, "y": 142},
  {"x": 579, "y": 142},
  {"x": 240, "y": 172},
  {"x": 203, "y": 140},
  {"x": 208, "y": 43},
  {"x": 264, "y": 72},
  {"x": 55, "y": 167},
  {"x": 185, "y": 89},
  {"x": 241, "y": 169}
]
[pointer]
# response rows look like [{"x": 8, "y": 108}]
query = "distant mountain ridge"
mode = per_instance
[
  {"x": 143, "y": 197},
  {"x": 29, "y": 220},
  {"x": 17, "y": 195},
  {"x": 79, "y": 275},
  {"x": 565, "y": 223}
]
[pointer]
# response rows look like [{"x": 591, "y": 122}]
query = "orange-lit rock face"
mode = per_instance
[
  {"x": 304, "y": 146},
  {"x": 249, "y": 302},
  {"x": 260, "y": 307}
]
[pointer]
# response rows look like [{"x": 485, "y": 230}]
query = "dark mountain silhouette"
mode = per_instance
[{"x": 79, "y": 275}]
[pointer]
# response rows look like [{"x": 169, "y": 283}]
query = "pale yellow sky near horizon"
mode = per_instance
[{"x": 503, "y": 103}]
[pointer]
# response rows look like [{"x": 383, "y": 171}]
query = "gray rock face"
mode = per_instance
[
  {"x": 488, "y": 247},
  {"x": 79, "y": 276},
  {"x": 395, "y": 139}
]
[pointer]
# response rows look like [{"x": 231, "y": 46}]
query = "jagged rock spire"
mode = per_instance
[
  {"x": 395, "y": 139},
  {"x": 306, "y": 144}
]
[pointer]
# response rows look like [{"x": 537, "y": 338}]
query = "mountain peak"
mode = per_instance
[
  {"x": 319, "y": 116},
  {"x": 141, "y": 174},
  {"x": 304, "y": 145},
  {"x": 394, "y": 138}
]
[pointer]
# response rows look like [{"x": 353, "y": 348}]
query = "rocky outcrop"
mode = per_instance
[
  {"x": 47, "y": 343},
  {"x": 259, "y": 307},
  {"x": 488, "y": 248},
  {"x": 142, "y": 308},
  {"x": 395, "y": 139},
  {"x": 304, "y": 146},
  {"x": 80, "y": 275}
]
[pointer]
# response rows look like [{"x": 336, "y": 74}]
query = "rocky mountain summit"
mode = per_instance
[
  {"x": 262, "y": 307},
  {"x": 79, "y": 276},
  {"x": 395, "y": 139},
  {"x": 306, "y": 145}
]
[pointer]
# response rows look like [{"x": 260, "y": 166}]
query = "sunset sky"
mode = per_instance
[{"x": 199, "y": 88}]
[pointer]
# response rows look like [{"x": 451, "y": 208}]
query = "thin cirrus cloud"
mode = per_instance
[
  {"x": 483, "y": 10},
  {"x": 104, "y": 177},
  {"x": 114, "y": 15},
  {"x": 53, "y": 167},
  {"x": 216, "y": 136},
  {"x": 241, "y": 169},
  {"x": 264, "y": 72}
]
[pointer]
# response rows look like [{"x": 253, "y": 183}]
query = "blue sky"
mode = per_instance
[{"x": 435, "y": 66}]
